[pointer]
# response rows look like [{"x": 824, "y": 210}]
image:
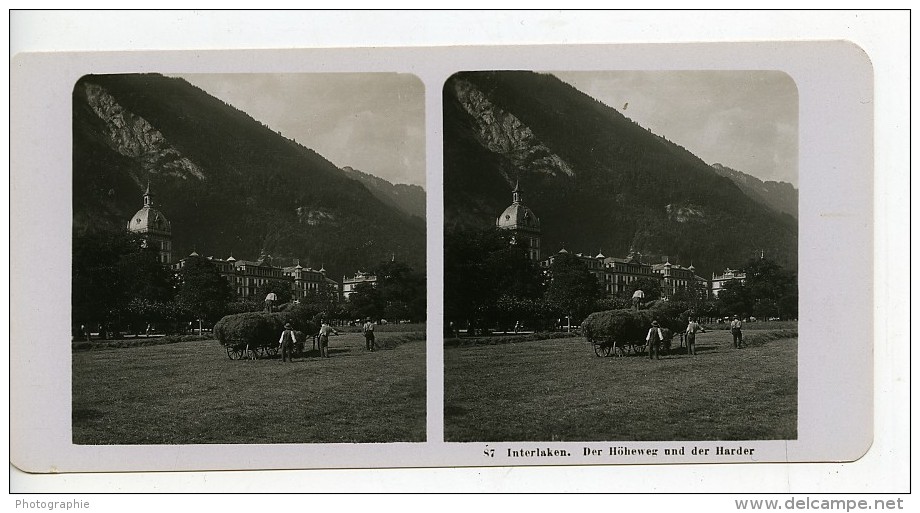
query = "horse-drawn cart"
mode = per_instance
[
  {"x": 603, "y": 346},
  {"x": 623, "y": 332},
  {"x": 238, "y": 351}
]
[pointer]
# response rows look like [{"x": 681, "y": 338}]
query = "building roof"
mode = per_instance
[
  {"x": 149, "y": 218},
  {"x": 518, "y": 215}
]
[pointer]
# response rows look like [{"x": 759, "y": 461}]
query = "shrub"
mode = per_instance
[
  {"x": 507, "y": 339},
  {"x": 258, "y": 329},
  {"x": 84, "y": 345},
  {"x": 407, "y": 327}
]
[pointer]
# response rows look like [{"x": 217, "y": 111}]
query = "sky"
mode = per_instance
[
  {"x": 373, "y": 122},
  {"x": 745, "y": 120}
]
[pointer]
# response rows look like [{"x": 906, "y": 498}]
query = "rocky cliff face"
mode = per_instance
[
  {"x": 503, "y": 133},
  {"x": 132, "y": 136}
]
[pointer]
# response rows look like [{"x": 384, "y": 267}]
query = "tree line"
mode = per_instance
[
  {"x": 119, "y": 286},
  {"x": 489, "y": 283}
]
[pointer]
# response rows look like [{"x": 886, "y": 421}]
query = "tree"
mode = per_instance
[
  {"x": 95, "y": 286},
  {"x": 708, "y": 308},
  {"x": 203, "y": 292},
  {"x": 324, "y": 302},
  {"x": 401, "y": 290},
  {"x": 147, "y": 288},
  {"x": 480, "y": 266},
  {"x": 366, "y": 301},
  {"x": 281, "y": 289},
  {"x": 773, "y": 289},
  {"x": 533, "y": 313},
  {"x": 735, "y": 299},
  {"x": 572, "y": 290},
  {"x": 650, "y": 286},
  {"x": 116, "y": 278}
]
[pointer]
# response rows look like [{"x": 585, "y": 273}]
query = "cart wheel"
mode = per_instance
[
  {"x": 639, "y": 349},
  {"x": 234, "y": 353},
  {"x": 601, "y": 349}
]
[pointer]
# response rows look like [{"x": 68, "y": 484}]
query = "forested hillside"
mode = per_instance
[
  {"x": 597, "y": 180},
  {"x": 227, "y": 183}
]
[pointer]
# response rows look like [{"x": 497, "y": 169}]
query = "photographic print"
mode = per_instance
[
  {"x": 248, "y": 259},
  {"x": 621, "y": 256}
]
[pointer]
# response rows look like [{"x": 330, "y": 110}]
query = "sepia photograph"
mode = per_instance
[
  {"x": 621, "y": 256},
  {"x": 571, "y": 256},
  {"x": 249, "y": 260}
]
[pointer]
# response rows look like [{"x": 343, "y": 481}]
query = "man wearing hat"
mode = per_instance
[
  {"x": 287, "y": 341},
  {"x": 369, "y": 334},
  {"x": 654, "y": 338},
  {"x": 324, "y": 332},
  {"x": 736, "y": 332}
]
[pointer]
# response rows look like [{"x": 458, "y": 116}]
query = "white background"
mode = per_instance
[{"x": 883, "y": 35}]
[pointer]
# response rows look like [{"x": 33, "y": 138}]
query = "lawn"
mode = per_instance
[
  {"x": 191, "y": 393},
  {"x": 558, "y": 389}
]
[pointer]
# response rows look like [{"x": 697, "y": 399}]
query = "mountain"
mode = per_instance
[
  {"x": 408, "y": 198},
  {"x": 228, "y": 184},
  {"x": 780, "y": 196},
  {"x": 596, "y": 180}
]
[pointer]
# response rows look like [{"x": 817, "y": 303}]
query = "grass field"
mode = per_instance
[
  {"x": 558, "y": 389},
  {"x": 191, "y": 393}
]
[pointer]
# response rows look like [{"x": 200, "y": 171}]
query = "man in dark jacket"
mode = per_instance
[
  {"x": 287, "y": 341},
  {"x": 368, "y": 329}
]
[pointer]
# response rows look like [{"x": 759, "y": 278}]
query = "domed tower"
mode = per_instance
[
  {"x": 523, "y": 223},
  {"x": 153, "y": 226}
]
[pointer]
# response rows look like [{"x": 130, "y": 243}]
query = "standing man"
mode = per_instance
[
  {"x": 287, "y": 341},
  {"x": 654, "y": 338},
  {"x": 369, "y": 334},
  {"x": 692, "y": 328},
  {"x": 324, "y": 339},
  {"x": 736, "y": 332}
]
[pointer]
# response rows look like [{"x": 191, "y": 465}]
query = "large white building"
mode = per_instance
[
  {"x": 152, "y": 225},
  {"x": 247, "y": 276},
  {"x": 614, "y": 274},
  {"x": 728, "y": 275},
  {"x": 523, "y": 224},
  {"x": 349, "y": 284}
]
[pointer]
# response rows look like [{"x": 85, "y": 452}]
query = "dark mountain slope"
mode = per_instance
[
  {"x": 594, "y": 178},
  {"x": 780, "y": 196},
  {"x": 407, "y": 198},
  {"x": 227, "y": 183}
]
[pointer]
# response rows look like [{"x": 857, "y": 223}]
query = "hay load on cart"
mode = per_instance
[
  {"x": 256, "y": 334},
  {"x": 622, "y": 332}
]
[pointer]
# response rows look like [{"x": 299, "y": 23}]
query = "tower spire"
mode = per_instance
[
  {"x": 148, "y": 196},
  {"x": 516, "y": 193}
]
